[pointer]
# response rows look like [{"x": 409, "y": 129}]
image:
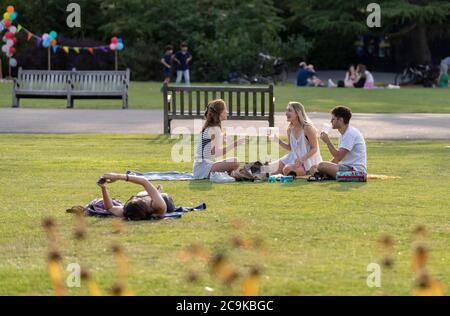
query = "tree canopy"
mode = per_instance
[{"x": 227, "y": 35}]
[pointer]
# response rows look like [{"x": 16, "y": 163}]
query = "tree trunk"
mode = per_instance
[{"x": 420, "y": 49}]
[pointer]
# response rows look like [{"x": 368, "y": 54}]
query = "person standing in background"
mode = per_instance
[{"x": 183, "y": 58}]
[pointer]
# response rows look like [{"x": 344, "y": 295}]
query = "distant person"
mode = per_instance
[
  {"x": 350, "y": 77},
  {"x": 314, "y": 81},
  {"x": 445, "y": 64},
  {"x": 364, "y": 78},
  {"x": 183, "y": 58},
  {"x": 444, "y": 80},
  {"x": 303, "y": 75},
  {"x": 166, "y": 60},
  {"x": 351, "y": 154},
  {"x": 306, "y": 76}
]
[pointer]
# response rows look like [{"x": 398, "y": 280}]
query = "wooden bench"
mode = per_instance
[
  {"x": 244, "y": 103},
  {"x": 71, "y": 85}
]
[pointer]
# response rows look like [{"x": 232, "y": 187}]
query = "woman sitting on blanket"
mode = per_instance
[
  {"x": 151, "y": 203},
  {"x": 210, "y": 143},
  {"x": 303, "y": 145}
]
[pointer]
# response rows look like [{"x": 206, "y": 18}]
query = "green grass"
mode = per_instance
[
  {"x": 320, "y": 237},
  {"x": 147, "y": 95}
]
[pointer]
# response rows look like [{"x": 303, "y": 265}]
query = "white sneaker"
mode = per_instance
[
  {"x": 331, "y": 84},
  {"x": 221, "y": 177}
]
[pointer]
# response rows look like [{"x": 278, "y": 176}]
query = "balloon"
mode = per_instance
[
  {"x": 10, "y": 43},
  {"x": 120, "y": 40},
  {"x": 112, "y": 46},
  {"x": 2, "y": 27},
  {"x": 13, "y": 62},
  {"x": 14, "y": 40},
  {"x": 13, "y": 29},
  {"x": 4, "y": 48},
  {"x": 45, "y": 36},
  {"x": 53, "y": 34},
  {"x": 53, "y": 42},
  {"x": 12, "y": 50},
  {"x": 6, "y": 16},
  {"x": 8, "y": 54},
  {"x": 120, "y": 46},
  {"x": 13, "y": 16},
  {"x": 9, "y": 35},
  {"x": 7, "y": 23},
  {"x": 114, "y": 40},
  {"x": 46, "y": 44},
  {"x": 10, "y": 9}
]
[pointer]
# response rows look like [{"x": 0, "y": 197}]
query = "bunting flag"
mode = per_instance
[{"x": 67, "y": 49}]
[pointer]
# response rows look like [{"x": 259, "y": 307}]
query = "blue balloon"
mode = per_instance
[
  {"x": 120, "y": 40},
  {"x": 119, "y": 46},
  {"x": 2, "y": 27},
  {"x": 13, "y": 16},
  {"x": 53, "y": 34}
]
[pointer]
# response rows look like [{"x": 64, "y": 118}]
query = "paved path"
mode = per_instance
[{"x": 64, "y": 121}]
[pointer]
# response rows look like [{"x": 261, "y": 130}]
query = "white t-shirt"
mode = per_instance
[{"x": 353, "y": 141}]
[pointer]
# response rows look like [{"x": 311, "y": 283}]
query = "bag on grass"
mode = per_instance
[{"x": 351, "y": 176}]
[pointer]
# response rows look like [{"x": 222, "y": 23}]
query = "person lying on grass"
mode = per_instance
[
  {"x": 151, "y": 203},
  {"x": 352, "y": 154}
]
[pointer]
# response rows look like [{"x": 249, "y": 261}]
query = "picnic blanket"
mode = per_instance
[
  {"x": 97, "y": 208},
  {"x": 164, "y": 176}
]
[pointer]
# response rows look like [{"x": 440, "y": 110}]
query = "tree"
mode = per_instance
[{"x": 402, "y": 20}]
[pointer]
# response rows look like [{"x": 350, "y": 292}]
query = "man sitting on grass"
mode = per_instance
[{"x": 351, "y": 155}]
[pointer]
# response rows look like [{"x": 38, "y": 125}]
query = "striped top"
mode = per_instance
[{"x": 204, "y": 148}]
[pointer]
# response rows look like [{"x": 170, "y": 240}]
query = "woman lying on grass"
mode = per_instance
[{"x": 151, "y": 203}]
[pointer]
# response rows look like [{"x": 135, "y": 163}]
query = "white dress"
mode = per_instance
[{"x": 299, "y": 148}]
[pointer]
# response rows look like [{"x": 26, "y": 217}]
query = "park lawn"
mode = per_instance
[
  {"x": 318, "y": 237},
  {"x": 147, "y": 95}
]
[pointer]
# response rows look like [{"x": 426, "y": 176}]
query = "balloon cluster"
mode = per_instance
[
  {"x": 116, "y": 44},
  {"x": 10, "y": 36},
  {"x": 49, "y": 40}
]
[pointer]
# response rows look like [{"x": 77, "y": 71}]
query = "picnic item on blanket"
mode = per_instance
[
  {"x": 163, "y": 176},
  {"x": 351, "y": 176},
  {"x": 221, "y": 177},
  {"x": 281, "y": 179},
  {"x": 254, "y": 171},
  {"x": 97, "y": 208}
]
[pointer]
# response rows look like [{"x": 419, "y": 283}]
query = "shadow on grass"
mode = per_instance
[
  {"x": 200, "y": 185},
  {"x": 346, "y": 186}
]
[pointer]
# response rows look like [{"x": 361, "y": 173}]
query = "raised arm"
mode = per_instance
[
  {"x": 217, "y": 144},
  {"x": 283, "y": 144},
  {"x": 338, "y": 155},
  {"x": 159, "y": 205},
  {"x": 107, "y": 201}
]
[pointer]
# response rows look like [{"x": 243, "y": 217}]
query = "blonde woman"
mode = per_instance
[
  {"x": 210, "y": 143},
  {"x": 303, "y": 144}
]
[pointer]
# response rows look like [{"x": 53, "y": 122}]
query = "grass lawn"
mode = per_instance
[
  {"x": 319, "y": 237},
  {"x": 147, "y": 95}
]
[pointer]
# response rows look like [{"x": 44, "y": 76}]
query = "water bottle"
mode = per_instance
[
  {"x": 272, "y": 179},
  {"x": 287, "y": 179}
]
